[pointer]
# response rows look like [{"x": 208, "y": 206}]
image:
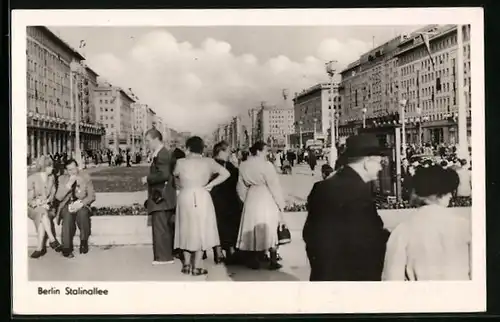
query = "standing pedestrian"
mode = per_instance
[
  {"x": 434, "y": 243},
  {"x": 260, "y": 190},
  {"x": 162, "y": 198},
  {"x": 344, "y": 235},
  {"x": 228, "y": 206},
  {"x": 128, "y": 156},
  {"x": 195, "y": 223},
  {"x": 312, "y": 160}
]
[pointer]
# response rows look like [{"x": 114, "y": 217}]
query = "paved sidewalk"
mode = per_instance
[{"x": 133, "y": 263}]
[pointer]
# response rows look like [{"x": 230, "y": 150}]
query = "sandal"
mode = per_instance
[
  {"x": 199, "y": 271},
  {"x": 186, "y": 269}
]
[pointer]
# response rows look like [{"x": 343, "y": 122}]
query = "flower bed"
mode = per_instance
[
  {"x": 139, "y": 210},
  {"x": 119, "y": 179}
]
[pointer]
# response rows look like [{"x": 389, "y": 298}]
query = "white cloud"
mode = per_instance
[
  {"x": 195, "y": 88},
  {"x": 343, "y": 52}
]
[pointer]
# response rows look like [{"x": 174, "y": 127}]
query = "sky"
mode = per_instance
[{"x": 198, "y": 77}]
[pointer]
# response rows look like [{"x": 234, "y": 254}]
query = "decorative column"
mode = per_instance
[
  {"x": 69, "y": 146},
  {"x": 53, "y": 142},
  {"x": 32, "y": 144},
  {"x": 66, "y": 142},
  {"x": 38, "y": 142},
  {"x": 44, "y": 142},
  {"x": 58, "y": 142}
]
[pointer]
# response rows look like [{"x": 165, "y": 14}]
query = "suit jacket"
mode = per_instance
[
  {"x": 343, "y": 231},
  {"x": 161, "y": 181},
  {"x": 84, "y": 190},
  {"x": 38, "y": 189}
]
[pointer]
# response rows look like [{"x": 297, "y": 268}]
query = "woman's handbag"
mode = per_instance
[{"x": 284, "y": 236}]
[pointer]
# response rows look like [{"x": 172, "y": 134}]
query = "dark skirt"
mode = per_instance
[{"x": 228, "y": 216}]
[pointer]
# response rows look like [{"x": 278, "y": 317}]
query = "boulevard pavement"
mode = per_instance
[{"x": 133, "y": 263}]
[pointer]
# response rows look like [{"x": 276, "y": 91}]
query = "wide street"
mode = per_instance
[{"x": 133, "y": 262}]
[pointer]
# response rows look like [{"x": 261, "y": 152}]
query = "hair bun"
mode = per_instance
[{"x": 433, "y": 180}]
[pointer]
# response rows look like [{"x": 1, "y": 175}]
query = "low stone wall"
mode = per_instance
[{"x": 133, "y": 230}]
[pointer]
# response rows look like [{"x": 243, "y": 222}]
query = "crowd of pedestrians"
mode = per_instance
[{"x": 232, "y": 204}]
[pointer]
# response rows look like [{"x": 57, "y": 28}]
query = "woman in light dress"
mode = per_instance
[
  {"x": 195, "y": 221},
  {"x": 41, "y": 193},
  {"x": 277, "y": 161},
  {"x": 259, "y": 188},
  {"x": 434, "y": 243}
]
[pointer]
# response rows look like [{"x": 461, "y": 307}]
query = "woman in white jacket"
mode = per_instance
[{"x": 259, "y": 188}]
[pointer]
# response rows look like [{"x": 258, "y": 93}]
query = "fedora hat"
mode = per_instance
[{"x": 362, "y": 145}]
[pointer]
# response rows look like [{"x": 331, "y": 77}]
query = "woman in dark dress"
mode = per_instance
[{"x": 228, "y": 206}]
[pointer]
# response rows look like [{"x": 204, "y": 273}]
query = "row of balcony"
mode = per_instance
[
  {"x": 46, "y": 118},
  {"x": 394, "y": 119}
]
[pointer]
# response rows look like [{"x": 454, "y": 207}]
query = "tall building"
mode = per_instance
[
  {"x": 274, "y": 125},
  {"x": 86, "y": 83},
  {"x": 161, "y": 126},
  {"x": 252, "y": 113},
  {"x": 50, "y": 117},
  {"x": 372, "y": 86},
  {"x": 114, "y": 109},
  {"x": 368, "y": 88},
  {"x": 431, "y": 90},
  {"x": 144, "y": 117},
  {"x": 312, "y": 112}
]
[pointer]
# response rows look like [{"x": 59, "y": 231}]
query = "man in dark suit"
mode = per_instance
[
  {"x": 162, "y": 198},
  {"x": 345, "y": 238},
  {"x": 75, "y": 194}
]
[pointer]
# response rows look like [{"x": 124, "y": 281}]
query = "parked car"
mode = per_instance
[{"x": 420, "y": 157}]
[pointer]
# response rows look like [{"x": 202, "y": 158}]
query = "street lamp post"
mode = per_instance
[
  {"x": 402, "y": 105},
  {"x": 330, "y": 70},
  {"x": 463, "y": 150},
  {"x": 314, "y": 134},
  {"x": 419, "y": 113},
  {"x": 300, "y": 133},
  {"x": 76, "y": 69},
  {"x": 337, "y": 117},
  {"x": 364, "y": 117}
]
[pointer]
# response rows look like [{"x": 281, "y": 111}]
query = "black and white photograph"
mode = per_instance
[{"x": 322, "y": 156}]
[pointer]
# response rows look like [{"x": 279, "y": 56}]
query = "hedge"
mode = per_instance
[{"x": 139, "y": 210}]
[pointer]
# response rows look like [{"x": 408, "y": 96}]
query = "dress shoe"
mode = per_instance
[
  {"x": 55, "y": 245},
  {"x": 38, "y": 253},
  {"x": 219, "y": 259},
  {"x": 84, "y": 247},
  {"x": 68, "y": 253}
]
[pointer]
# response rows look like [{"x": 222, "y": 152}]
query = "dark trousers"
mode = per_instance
[
  {"x": 163, "y": 235},
  {"x": 69, "y": 223}
]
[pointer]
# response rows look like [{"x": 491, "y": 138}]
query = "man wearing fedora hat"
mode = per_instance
[{"x": 345, "y": 238}]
